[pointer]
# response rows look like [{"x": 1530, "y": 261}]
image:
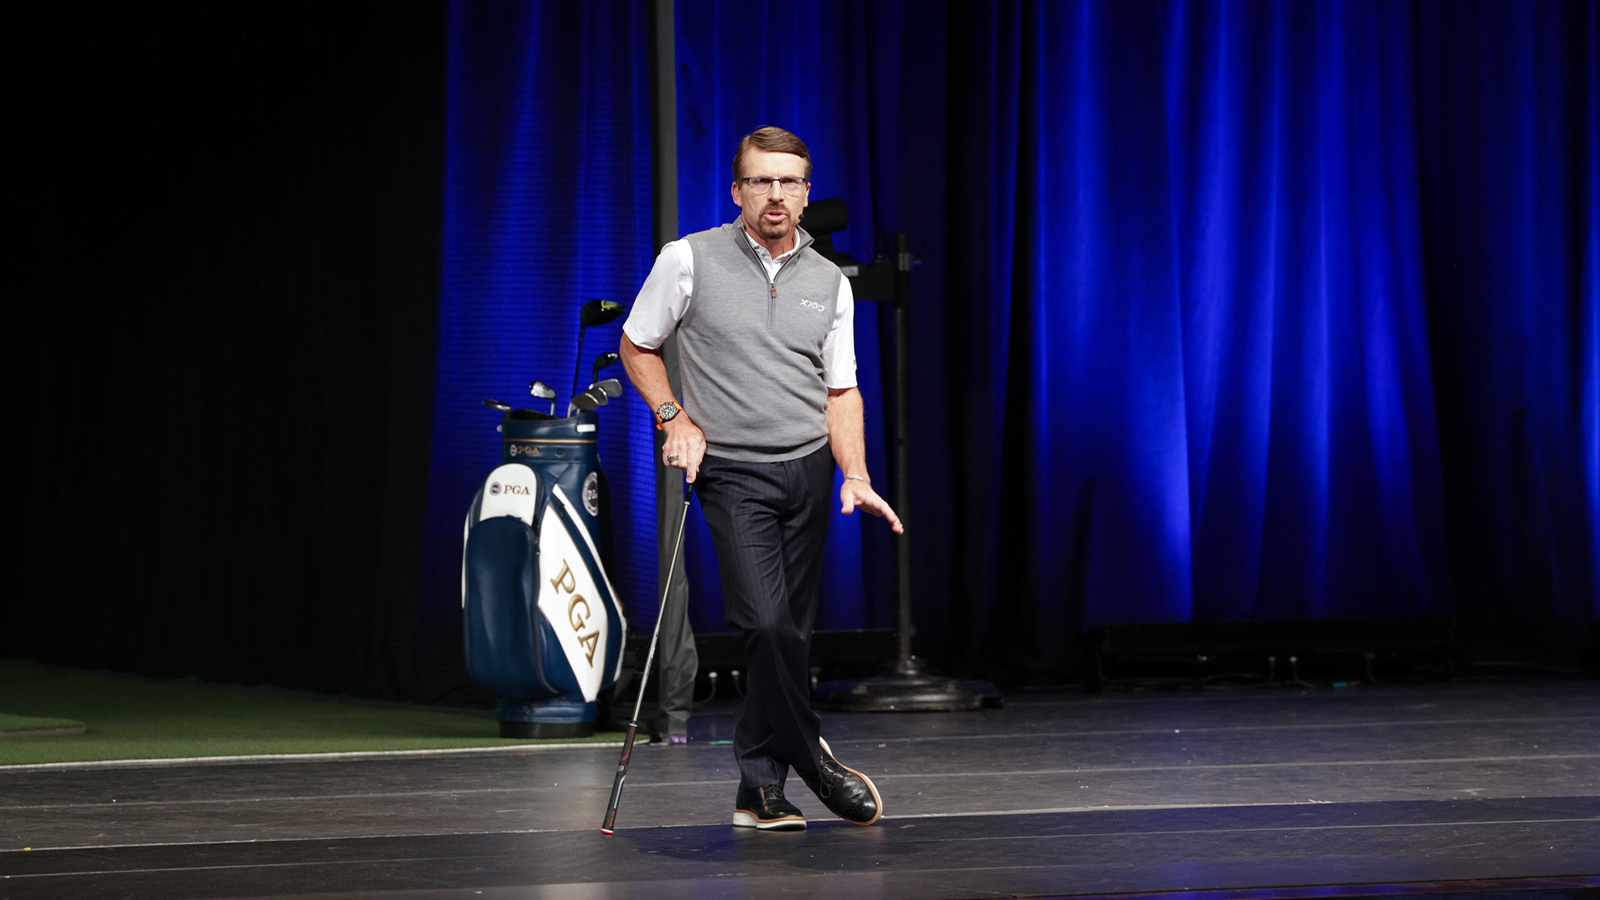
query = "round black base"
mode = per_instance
[
  {"x": 907, "y": 687},
  {"x": 546, "y": 730}
]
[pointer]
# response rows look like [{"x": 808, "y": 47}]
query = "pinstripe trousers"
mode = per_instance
[{"x": 769, "y": 521}]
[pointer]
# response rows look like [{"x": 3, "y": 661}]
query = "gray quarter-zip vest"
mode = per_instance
[{"x": 750, "y": 349}]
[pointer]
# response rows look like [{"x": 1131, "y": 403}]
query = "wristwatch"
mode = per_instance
[{"x": 666, "y": 412}]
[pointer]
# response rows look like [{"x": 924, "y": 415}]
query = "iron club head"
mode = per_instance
[
  {"x": 544, "y": 392},
  {"x": 586, "y": 401}
]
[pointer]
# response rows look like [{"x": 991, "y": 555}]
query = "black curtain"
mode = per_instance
[
  {"x": 1508, "y": 114},
  {"x": 228, "y": 276}
]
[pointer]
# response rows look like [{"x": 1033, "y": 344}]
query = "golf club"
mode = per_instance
[
  {"x": 611, "y": 387},
  {"x": 595, "y": 312},
  {"x": 601, "y": 361},
  {"x": 544, "y": 392},
  {"x": 586, "y": 401},
  {"x": 607, "y": 826},
  {"x": 496, "y": 404}
]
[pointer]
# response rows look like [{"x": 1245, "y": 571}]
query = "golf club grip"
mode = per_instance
[{"x": 607, "y": 826}]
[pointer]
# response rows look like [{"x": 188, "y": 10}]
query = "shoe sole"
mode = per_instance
[
  {"x": 743, "y": 818},
  {"x": 877, "y": 801}
]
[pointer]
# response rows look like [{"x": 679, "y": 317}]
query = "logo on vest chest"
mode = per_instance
[{"x": 812, "y": 304}]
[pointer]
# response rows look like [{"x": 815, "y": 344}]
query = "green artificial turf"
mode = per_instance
[
  {"x": 28, "y": 726},
  {"x": 127, "y": 718}
]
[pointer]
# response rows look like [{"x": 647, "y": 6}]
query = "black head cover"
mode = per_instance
[{"x": 599, "y": 312}]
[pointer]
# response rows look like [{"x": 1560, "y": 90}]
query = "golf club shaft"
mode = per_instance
[
  {"x": 577, "y": 365},
  {"x": 607, "y": 826}
]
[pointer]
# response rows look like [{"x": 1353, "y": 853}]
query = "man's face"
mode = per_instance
[{"x": 771, "y": 216}]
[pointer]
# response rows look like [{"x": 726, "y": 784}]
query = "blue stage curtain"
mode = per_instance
[
  {"x": 547, "y": 206},
  {"x": 1205, "y": 352},
  {"x": 1203, "y": 364},
  {"x": 1207, "y": 343}
]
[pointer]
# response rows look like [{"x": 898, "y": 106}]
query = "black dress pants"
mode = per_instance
[{"x": 769, "y": 521}]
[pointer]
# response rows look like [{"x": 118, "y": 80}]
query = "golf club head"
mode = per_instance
[
  {"x": 595, "y": 312},
  {"x": 543, "y": 392},
  {"x": 601, "y": 361},
  {"x": 586, "y": 401},
  {"x": 497, "y": 405},
  {"x": 599, "y": 312},
  {"x": 611, "y": 387}
]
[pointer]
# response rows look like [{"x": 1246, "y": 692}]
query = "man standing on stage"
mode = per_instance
[{"x": 767, "y": 357}]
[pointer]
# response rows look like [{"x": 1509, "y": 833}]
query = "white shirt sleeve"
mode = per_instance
[
  {"x": 839, "y": 347},
  {"x": 664, "y": 298}
]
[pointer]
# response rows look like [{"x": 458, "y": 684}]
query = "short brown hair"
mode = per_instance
[{"x": 772, "y": 140}]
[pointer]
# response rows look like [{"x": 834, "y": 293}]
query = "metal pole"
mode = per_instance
[
  {"x": 902, "y": 440},
  {"x": 664, "y": 123}
]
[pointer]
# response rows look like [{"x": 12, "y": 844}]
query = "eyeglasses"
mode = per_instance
[{"x": 761, "y": 184}]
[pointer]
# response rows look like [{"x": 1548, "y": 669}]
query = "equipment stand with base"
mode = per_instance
[{"x": 906, "y": 685}]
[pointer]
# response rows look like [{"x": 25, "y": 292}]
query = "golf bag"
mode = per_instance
[{"x": 542, "y": 626}]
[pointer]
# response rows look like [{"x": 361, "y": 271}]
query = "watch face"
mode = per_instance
[{"x": 667, "y": 411}]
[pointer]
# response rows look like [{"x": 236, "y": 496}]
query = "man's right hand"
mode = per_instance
[{"x": 685, "y": 445}]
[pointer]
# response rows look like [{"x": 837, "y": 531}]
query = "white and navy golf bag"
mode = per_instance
[{"x": 543, "y": 629}]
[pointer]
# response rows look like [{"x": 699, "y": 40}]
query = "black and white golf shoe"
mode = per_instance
[
  {"x": 764, "y": 808},
  {"x": 846, "y": 793}
]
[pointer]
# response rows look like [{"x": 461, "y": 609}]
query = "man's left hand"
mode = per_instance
[{"x": 858, "y": 493}]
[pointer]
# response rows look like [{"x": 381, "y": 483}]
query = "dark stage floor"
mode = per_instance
[{"x": 1443, "y": 788}]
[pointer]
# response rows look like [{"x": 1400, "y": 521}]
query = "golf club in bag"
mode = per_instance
[
  {"x": 542, "y": 626},
  {"x": 592, "y": 314},
  {"x": 607, "y": 825}
]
